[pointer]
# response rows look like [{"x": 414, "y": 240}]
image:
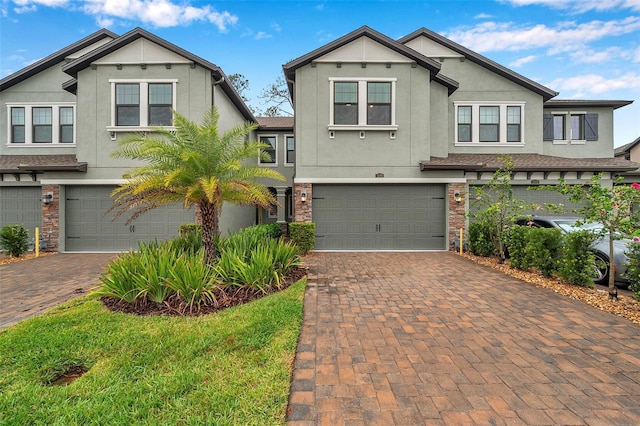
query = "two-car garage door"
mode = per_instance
[
  {"x": 380, "y": 217},
  {"x": 88, "y": 228}
]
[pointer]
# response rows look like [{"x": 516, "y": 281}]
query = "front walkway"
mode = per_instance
[
  {"x": 30, "y": 287},
  {"x": 432, "y": 338}
]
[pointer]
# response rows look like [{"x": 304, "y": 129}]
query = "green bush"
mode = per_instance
[
  {"x": 189, "y": 238},
  {"x": 273, "y": 230},
  {"x": 14, "y": 239},
  {"x": 633, "y": 266},
  {"x": 518, "y": 243},
  {"x": 543, "y": 249},
  {"x": 303, "y": 236},
  {"x": 577, "y": 260},
  {"x": 480, "y": 241}
]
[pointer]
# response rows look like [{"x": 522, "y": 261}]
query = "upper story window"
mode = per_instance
[
  {"x": 41, "y": 124},
  {"x": 272, "y": 142},
  {"x": 489, "y": 123},
  {"x": 362, "y": 104},
  {"x": 139, "y": 105},
  {"x": 576, "y": 127},
  {"x": 291, "y": 150}
]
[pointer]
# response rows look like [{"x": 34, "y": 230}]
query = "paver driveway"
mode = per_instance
[
  {"x": 30, "y": 287},
  {"x": 432, "y": 338}
]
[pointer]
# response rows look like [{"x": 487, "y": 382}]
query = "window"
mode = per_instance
[
  {"x": 346, "y": 103},
  {"x": 577, "y": 126},
  {"x": 160, "y": 104},
  {"x": 570, "y": 126},
  {"x": 142, "y": 104},
  {"x": 362, "y": 104},
  {"x": 42, "y": 119},
  {"x": 127, "y": 105},
  {"x": 379, "y": 103},
  {"x": 66, "y": 125},
  {"x": 558, "y": 127},
  {"x": 291, "y": 149},
  {"x": 489, "y": 123},
  {"x": 513, "y": 124},
  {"x": 464, "y": 124},
  {"x": 17, "y": 125},
  {"x": 271, "y": 142},
  {"x": 41, "y": 124}
]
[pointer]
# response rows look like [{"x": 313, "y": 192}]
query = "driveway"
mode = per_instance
[
  {"x": 30, "y": 287},
  {"x": 433, "y": 338}
]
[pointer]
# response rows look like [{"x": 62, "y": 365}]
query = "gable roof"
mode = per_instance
[
  {"x": 626, "y": 148},
  {"x": 55, "y": 58},
  {"x": 485, "y": 62},
  {"x": 527, "y": 162},
  {"x": 428, "y": 63},
  {"x": 85, "y": 61},
  {"x": 575, "y": 103}
]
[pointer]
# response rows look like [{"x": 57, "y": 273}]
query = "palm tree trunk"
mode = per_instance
[{"x": 209, "y": 222}]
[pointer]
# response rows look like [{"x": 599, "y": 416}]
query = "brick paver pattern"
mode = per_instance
[
  {"x": 30, "y": 287},
  {"x": 433, "y": 338}
]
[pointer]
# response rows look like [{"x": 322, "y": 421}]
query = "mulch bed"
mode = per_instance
[{"x": 224, "y": 298}]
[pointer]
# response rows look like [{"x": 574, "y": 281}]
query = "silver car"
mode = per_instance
[{"x": 600, "y": 246}]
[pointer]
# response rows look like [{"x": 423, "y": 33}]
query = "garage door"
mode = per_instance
[
  {"x": 379, "y": 217},
  {"x": 21, "y": 206},
  {"x": 533, "y": 196},
  {"x": 89, "y": 229}
]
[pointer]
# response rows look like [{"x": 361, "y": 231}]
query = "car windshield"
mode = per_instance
[{"x": 571, "y": 226}]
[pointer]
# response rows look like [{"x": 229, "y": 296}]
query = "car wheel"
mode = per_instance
[{"x": 601, "y": 268}]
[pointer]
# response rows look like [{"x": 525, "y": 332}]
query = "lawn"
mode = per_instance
[{"x": 232, "y": 367}]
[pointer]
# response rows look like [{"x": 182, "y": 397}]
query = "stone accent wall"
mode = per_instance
[
  {"x": 51, "y": 218},
  {"x": 457, "y": 218},
  {"x": 302, "y": 211}
]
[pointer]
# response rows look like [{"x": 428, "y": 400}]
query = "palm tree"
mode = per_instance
[{"x": 195, "y": 165}]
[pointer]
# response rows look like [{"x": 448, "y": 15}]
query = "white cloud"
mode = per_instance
[
  {"x": 48, "y": 3},
  {"x": 581, "y": 6},
  {"x": 320, "y": 7},
  {"x": 636, "y": 55},
  {"x": 262, "y": 35},
  {"x": 590, "y": 56},
  {"x": 275, "y": 27},
  {"x": 521, "y": 61},
  {"x": 564, "y": 37},
  {"x": 596, "y": 84},
  {"x": 483, "y": 16}
]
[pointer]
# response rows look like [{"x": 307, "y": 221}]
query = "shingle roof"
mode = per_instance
[
  {"x": 583, "y": 103},
  {"x": 526, "y": 162},
  {"x": 40, "y": 163},
  {"x": 273, "y": 123}
]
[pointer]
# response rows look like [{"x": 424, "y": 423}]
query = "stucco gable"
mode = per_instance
[
  {"x": 142, "y": 51},
  {"x": 431, "y": 49},
  {"x": 363, "y": 49}
]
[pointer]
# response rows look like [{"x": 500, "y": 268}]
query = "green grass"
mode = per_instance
[{"x": 233, "y": 367}]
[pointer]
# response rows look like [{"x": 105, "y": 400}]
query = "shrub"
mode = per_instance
[
  {"x": 577, "y": 260},
  {"x": 303, "y": 236},
  {"x": 480, "y": 241},
  {"x": 193, "y": 280},
  {"x": 543, "y": 249},
  {"x": 273, "y": 230},
  {"x": 189, "y": 238},
  {"x": 14, "y": 239},
  {"x": 633, "y": 266},
  {"x": 518, "y": 242}
]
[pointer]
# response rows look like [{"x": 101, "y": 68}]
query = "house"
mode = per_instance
[
  {"x": 63, "y": 116},
  {"x": 388, "y": 140},
  {"x": 392, "y": 135}
]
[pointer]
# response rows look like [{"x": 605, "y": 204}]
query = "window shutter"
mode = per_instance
[
  {"x": 547, "y": 127},
  {"x": 591, "y": 127}
]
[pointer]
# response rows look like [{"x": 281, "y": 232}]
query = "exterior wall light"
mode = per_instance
[
  {"x": 303, "y": 196},
  {"x": 47, "y": 198},
  {"x": 457, "y": 196}
]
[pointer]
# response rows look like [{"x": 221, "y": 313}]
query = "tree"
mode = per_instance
[
  {"x": 497, "y": 207},
  {"x": 612, "y": 207},
  {"x": 241, "y": 84},
  {"x": 276, "y": 95},
  {"x": 194, "y": 165}
]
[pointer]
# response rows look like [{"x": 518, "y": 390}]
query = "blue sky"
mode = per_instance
[{"x": 584, "y": 49}]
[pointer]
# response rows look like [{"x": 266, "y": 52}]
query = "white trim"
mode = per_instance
[
  {"x": 28, "y": 124},
  {"x": 362, "y": 103},
  {"x": 143, "y": 80},
  {"x": 379, "y": 180},
  {"x": 475, "y": 122},
  {"x": 82, "y": 181},
  {"x": 286, "y": 149},
  {"x": 143, "y": 102}
]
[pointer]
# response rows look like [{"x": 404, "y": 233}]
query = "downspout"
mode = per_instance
[{"x": 213, "y": 88}]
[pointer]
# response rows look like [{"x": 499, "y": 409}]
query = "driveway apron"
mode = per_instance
[
  {"x": 30, "y": 287},
  {"x": 433, "y": 338}
]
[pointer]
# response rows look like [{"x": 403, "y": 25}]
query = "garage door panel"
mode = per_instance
[
  {"x": 402, "y": 217},
  {"x": 21, "y": 205}
]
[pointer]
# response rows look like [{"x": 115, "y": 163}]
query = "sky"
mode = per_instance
[{"x": 583, "y": 49}]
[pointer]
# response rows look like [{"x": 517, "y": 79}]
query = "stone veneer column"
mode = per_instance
[
  {"x": 302, "y": 210},
  {"x": 457, "y": 213},
  {"x": 51, "y": 218}
]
